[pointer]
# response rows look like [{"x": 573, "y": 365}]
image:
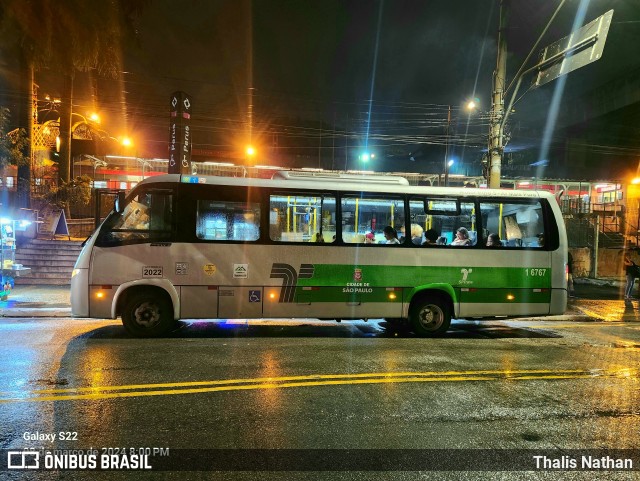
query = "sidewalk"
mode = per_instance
[
  {"x": 54, "y": 301},
  {"x": 37, "y": 301}
]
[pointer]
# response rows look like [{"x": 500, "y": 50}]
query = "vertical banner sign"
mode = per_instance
[{"x": 180, "y": 134}]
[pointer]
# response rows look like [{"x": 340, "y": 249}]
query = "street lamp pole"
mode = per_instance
[
  {"x": 97, "y": 163},
  {"x": 446, "y": 148}
]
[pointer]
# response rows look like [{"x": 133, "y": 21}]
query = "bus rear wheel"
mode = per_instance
[
  {"x": 430, "y": 316},
  {"x": 147, "y": 314}
]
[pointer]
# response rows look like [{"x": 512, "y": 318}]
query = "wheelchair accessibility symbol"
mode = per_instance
[{"x": 254, "y": 296}]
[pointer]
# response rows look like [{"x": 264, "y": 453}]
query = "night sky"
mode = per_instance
[{"x": 311, "y": 68}]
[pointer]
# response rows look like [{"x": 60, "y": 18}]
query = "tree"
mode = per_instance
[
  {"x": 12, "y": 143},
  {"x": 66, "y": 36},
  {"x": 70, "y": 194}
]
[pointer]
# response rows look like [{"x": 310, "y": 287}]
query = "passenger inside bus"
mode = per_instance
[
  {"x": 493, "y": 240},
  {"x": 391, "y": 235},
  {"x": 416, "y": 234},
  {"x": 431, "y": 237},
  {"x": 462, "y": 237}
]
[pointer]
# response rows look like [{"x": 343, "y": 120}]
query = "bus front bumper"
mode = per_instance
[{"x": 80, "y": 293}]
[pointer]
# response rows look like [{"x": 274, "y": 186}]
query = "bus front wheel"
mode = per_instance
[
  {"x": 430, "y": 316},
  {"x": 147, "y": 314}
]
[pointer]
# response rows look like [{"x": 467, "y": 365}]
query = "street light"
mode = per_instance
[
  {"x": 471, "y": 105},
  {"x": 447, "y": 167}
]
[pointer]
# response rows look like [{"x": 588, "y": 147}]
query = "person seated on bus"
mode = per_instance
[
  {"x": 493, "y": 240},
  {"x": 369, "y": 238},
  {"x": 462, "y": 238},
  {"x": 430, "y": 238},
  {"x": 441, "y": 241},
  {"x": 416, "y": 234},
  {"x": 318, "y": 237},
  {"x": 391, "y": 235},
  {"x": 400, "y": 235},
  {"x": 541, "y": 240}
]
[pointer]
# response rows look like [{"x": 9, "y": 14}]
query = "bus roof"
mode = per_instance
[
  {"x": 329, "y": 184},
  {"x": 316, "y": 176}
]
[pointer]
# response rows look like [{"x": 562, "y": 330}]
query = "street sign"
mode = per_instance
[
  {"x": 582, "y": 47},
  {"x": 55, "y": 223},
  {"x": 180, "y": 134}
]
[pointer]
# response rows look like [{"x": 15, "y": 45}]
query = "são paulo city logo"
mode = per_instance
[{"x": 358, "y": 286}]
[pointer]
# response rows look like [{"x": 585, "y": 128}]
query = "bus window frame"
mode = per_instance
[
  {"x": 190, "y": 194},
  {"x": 372, "y": 195},
  {"x": 552, "y": 237},
  {"x": 271, "y": 191},
  {"x": 460, "y": 199},
  {"x": 168, "y": 188}
]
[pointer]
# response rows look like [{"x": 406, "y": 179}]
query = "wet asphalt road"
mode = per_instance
[{"x": 570, "y": 383}]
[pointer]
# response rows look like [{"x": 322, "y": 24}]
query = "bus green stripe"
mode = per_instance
[
  {"x": 399, "y": 295},
  {"x": 399, "y": 276}
]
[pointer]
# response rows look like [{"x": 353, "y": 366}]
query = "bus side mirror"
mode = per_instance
[{"x": 118, "y": 204}]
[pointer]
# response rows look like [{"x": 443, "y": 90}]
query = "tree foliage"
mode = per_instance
[
  {"x": 67, "y": 36},
  {"x": 70, "y": 35},
  {"x": 12, "y": 143},
  {"x": 68, "y": 195}
]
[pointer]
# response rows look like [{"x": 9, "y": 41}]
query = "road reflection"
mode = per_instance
[
  {"x": 609, "y": 310},
  {"x": 313, "y": 328}
]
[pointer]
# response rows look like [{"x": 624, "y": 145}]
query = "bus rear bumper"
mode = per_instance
[{"x": 558, "y": 304}]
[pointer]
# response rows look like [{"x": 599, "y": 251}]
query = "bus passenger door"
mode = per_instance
[{"x": 239, "y": 302}]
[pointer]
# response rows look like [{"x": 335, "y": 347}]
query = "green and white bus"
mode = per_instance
[{"x": 312, "y": 245}]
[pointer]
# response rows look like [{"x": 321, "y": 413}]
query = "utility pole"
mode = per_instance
[
  {"x": 446, "y": 149},
  {"x": 496, "y": 147}
]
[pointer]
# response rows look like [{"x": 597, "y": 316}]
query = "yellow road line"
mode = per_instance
[
  {"x": 297, "y": 378},
  {"x": 318, "y": 380}
]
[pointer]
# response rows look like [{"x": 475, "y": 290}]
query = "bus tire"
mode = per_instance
[
  {"x": 147, "y": 314},
  {"x": 430, "y": 316}
]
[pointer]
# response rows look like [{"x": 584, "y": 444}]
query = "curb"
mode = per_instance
[{"x": 36, "y": 312}]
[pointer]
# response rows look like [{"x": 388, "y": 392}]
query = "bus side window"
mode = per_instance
[
  {"x": 365, "y": 215},
  {"x": 147, "y": 217},
  {"x": 517, "y": 222},
  {"x": 444, "y": 216},
  {"x": 228, "y": 221},
  {"x": 299, "y": 217}
]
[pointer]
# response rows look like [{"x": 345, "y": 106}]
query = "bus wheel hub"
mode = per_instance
[
  {"x": 430, "y": 317},
  {"x": 147, "y": 314}
]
